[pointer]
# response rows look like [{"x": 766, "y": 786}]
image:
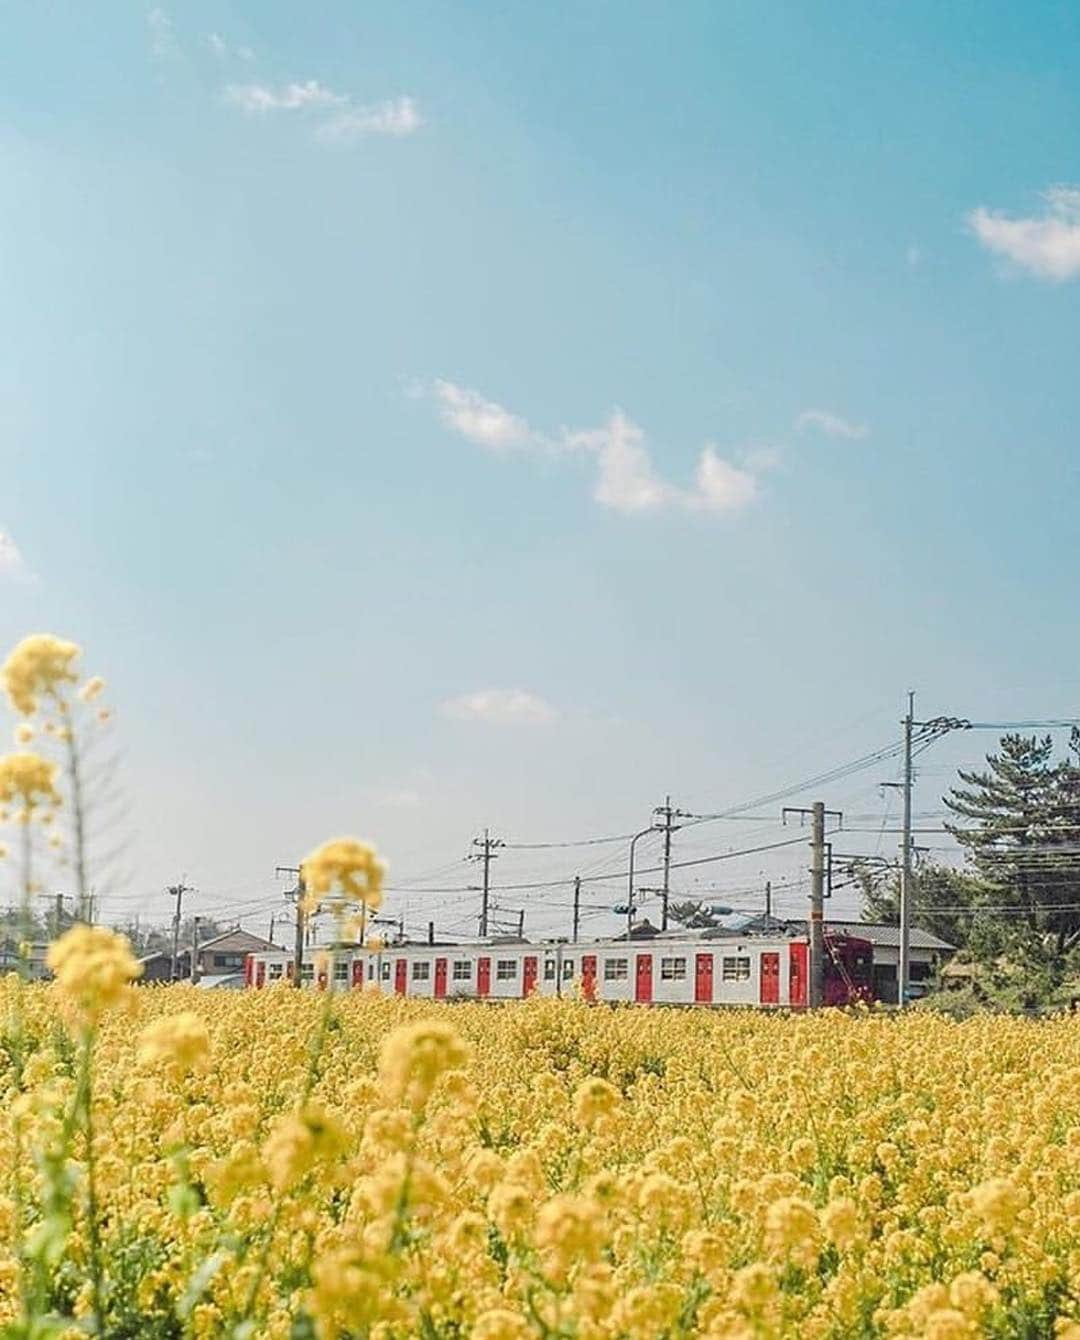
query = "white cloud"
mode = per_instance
[
  {"x": 12, "y": 564},
  {"x": 721, "y": 486},
  {"x": 626, "y": 479},
  {"x": 217, "y": 45},
  {"x": 481, "y": 421},
  {"x": 832, "y": 425},
  {"x": 260, "y": 98},
  {"x": 163, "y": 43},
  {"x": 397, "y": 116},
  {"x": 500, "y": 707},
  {"x": 1047, "y": 246}
]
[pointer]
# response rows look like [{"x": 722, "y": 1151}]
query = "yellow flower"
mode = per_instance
[
  {"x": 840, "y": 1220},
  {"x": 179, "y": 1041},
  {"x": 415, "y": 1055},
  {"x": 501, "y": 1324},
  {"x": 27, "y": 781},
  {"x": 93, "y": 968},
  {"x": 93, "y": 688},
  {"x": 791, "y": 1228},
  {"x": 594, "y": 1098},
  {"x": 300, "y": 1141},
  {"x": 997, "y": 1203},
  {"x": 350, "y": 869},
  {"x": 37, "y": 667},
  {"x": 24, "y": 732}
]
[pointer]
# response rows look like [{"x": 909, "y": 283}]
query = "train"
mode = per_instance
[{"x": 671, "y": 968}]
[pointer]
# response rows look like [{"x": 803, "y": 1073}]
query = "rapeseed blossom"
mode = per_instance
[
  {"x": 38, "y": 667},
  {"x": 27, "y": 781},
  {"x": 545, "y": 1168},
  {"x": 346, "y": 869},
  {"x": 93, "y": 968}
]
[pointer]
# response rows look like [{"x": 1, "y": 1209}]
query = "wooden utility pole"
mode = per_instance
[
  {"x": 577, "y": 906},
  {"x": 177, "y": 891},
  {"x": 297, "y": 896},
  {"x": 904, "y": 964},
  {"x": 194, "y": 974},
  {"x": 486, "y": 855},
  {"x": 817, "y": 813},
  {"x": 817, "y": 905}
]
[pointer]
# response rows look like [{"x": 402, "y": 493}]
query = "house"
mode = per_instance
[
  {"x": 927, "y": 953},
  {"x": 12, "y": 961},
  {"x": 220, "y": 956}
]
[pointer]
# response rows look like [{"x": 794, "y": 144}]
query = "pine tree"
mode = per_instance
[{"x": 1017, "y": 821}]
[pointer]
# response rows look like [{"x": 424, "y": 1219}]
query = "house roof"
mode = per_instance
[
  {"x": 236, "y": 941},
  {"x": 877, "y": 932}
]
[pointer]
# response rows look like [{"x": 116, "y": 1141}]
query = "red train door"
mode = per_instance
[
  {"x": 588, "y": 976},
  {"x": 249, "y": 969},
  {"x": 260, "y": 973},
  {"x": 643, "y": 979},
  {"x": 528, "y": 976},
  {"x": 323, "y": 978},
  {"x": 440, "y": 978},
  {"x": 770, "y": 979},
  {"x": 290, "y": 970},
  {"x": 358, "y": 972},
  {"x": 401, "y": 969},
  {"x": 797, "y": 965},
  {"x": 483, "y": 977},
  {"x": 703, "y": 973}
]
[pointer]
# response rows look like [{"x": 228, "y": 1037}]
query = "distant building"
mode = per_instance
[
  {"x": 11, "y": 959},
  {"x": 219, "y": 957},
  {"x": 927, "y": 953}
]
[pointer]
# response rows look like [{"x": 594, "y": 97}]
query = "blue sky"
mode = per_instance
[{"x": 438, "y": 415}]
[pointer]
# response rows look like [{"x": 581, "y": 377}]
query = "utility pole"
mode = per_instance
[
  {"x": 666, "y": 814},
  {"x": 817, "y": 905},
  {"x": 273, "y": 918},
  {"x": 298, "y": 897},
  {"x": 817, "y": 813},
  {"x": 904, "y": 965},
  {"x": 577, "y": 906},
  {"x": 768, "y": 904},
  {"x": 58, "y": 915},
  {"x": 487, "y": 845},
  {"x": 177, "y": 891},
  {"x": 521, "y": 924},
  {"x": 195, "y": 949}
]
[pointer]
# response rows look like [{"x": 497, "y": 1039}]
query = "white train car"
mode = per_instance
[{"x": 670, "y": 969}]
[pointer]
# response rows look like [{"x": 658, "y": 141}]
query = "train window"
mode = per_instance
[
  {"x": 568, "y": 967},
  {"x": 505, "y": 969},
  {"x": 275, "y": 970},
  {"x": 549, "y": 969},
  {"x": 616, "y": 969},
  {"x": 735, "y": 970},
  {"x": 462, "y": 970},
  {"x": 421, "y": 972},
  {"x": 341, "y": 971},
  {"x": 385, "y": 974},
  {"x": 673, "y": 970},
  {"x": 370, "y": 970},
  {"x": 307, "y": 972}
]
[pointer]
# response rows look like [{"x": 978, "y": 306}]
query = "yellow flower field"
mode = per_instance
[{"x": 283, "y": 1163}]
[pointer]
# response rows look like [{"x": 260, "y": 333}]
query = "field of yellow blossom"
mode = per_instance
[{"x": 281, "y": 1163}]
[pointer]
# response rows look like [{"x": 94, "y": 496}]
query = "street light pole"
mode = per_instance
[{"x": 652, "y": 828}]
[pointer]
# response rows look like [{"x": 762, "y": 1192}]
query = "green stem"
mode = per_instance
[
  {"x": 84, "y": 1107},
  {"x": 74, "y": 771}
]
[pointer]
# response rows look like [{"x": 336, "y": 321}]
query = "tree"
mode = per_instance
[
  {"x": 1019, "y": 823},
  {"x": 941, "y": 900},
  {"x": 693, "y": 916}
]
